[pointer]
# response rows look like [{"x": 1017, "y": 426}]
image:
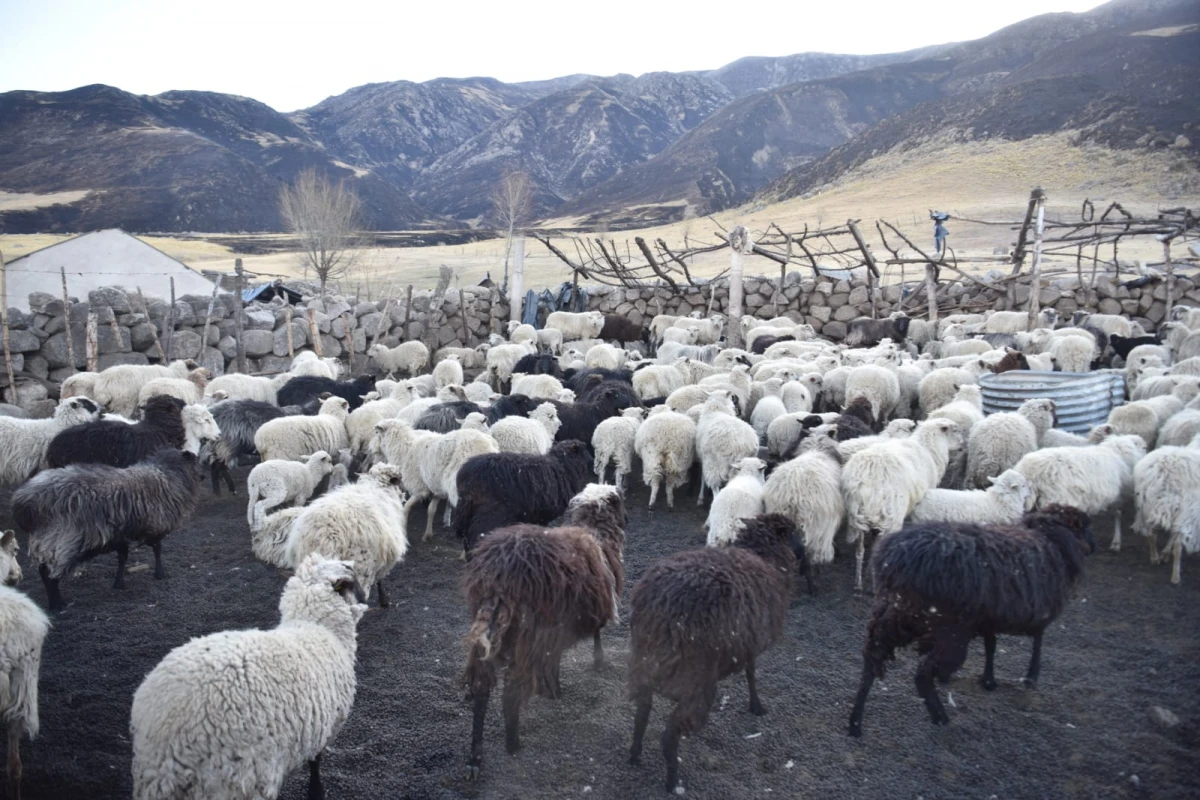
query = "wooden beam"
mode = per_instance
[
  {"x": 653, "y": 262},
  {"x": 67, "y": 316}
]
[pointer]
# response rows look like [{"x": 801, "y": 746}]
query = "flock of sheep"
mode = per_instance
[{"x": 794, "y": 437}]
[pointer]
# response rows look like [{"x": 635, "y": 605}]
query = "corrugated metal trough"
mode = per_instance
[{"x": 1081, "y": 399}]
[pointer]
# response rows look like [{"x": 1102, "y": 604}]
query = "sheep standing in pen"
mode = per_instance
[
  {"x": 1093, "y": 479},
  {"x": 237, "y": 386},
  {"x": 1180, "y": 429},
  {"x": 808, "y": 490},
  {"x": 120, "y": 444},
  {"x": 448, "y": 372},
  {"x": 533, "y": 434},
  {"x": 883, "y": 483},
  {"x": 499, "y": 489},
  {"x": 360, "y": 424},
  {"x": 722, "y": 440},
  {"x": 701, "y": 615},
  {"x": 941, "y": 585},
  {"x": 116, "y": 388},
  {"x": 879, "y": 385},
  {"x": 585, "y": 325},
  {"x": 363, "y": 523},
  {"x": 613, "y": 442},
  {"x": 442, "y": 457},
  {"x": 579, "y": 420},
  {"x": 190, "y": 389},
  {"x": 1144, "y": 417},
  {"x": 738, "y": 500},
  {"x": 939, "y": 387},
  {"x": 281, "y": 696},
  {"x": 666, "y": 444},
  {"x": 521, "y": 333},
  {"x": 273, "y": 483},
  {"x": 541, "y": 387},
  {"x": 1003, "y": 503},
  {"x": 768, "y": 408},
  {"x": 306, "y": 362},
  {"x": 27, "y": 440},
  {"x": 292, "y": 438},
  {"x": 407, "y": 357},
  {"x": 81, "y": 384},
  {"x": 998, "y": 441},
  {"x": 238, "y": 421},
  {"x": 1166, "y": 486},
  {"x": 532, "y": 593},
  {"x": 309, "y": 389},
  {"x": 78, "y": 512}
]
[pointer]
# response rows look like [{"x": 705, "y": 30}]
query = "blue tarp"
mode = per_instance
[{"x": 566, "y": 299}]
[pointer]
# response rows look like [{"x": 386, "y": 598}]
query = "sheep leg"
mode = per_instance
[
  {"x": 988, "y": 681},
  {"x": 479, "y": 712},
  {"x": 1116, "y": 540},
  {"x": 1155, "y": 556},
  {"x": 53, "y": 598},
  {"x": 383, "y": 598},
  {"x": 315, "y": 790},
  {"x": 700, "y": 498},
  {"x": 670, "y": 495},
  {"x": 122, "y": 557},
  {"x": 1035, "y": 662},
  {"x": 159, "y": 572},
  {"x": 511, "y": 703},
  {"x": 599, "y": 662},
  {"x": 928, "y": 690},
  {"x": 214, "y": 474},
  {"x": 448, "y": 508},
  {"x": 14, "y": 759},
  {"x": 860, "y": 700},
  {"x": 1176, "y": 556},
  {"x": 654, "y": 492},
  {"x": 859, "y": 553},
  {"x": 756, "y": 706},
  {"x": 643, "y": 697},
  {"x": 430, "y": 513}
]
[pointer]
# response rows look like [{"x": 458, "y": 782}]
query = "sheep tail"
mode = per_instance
[{"x": 491, "y": 623}]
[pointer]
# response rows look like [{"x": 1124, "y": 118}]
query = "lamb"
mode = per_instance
[
  {"x": 78, "y": 512},
  {"x": 408, "y": 357},
  {"x": 666, "y": 444},
  {"x": 722, "y": 440},
  {"x": 23, "y": 629},
  {"x": 363, "y": 523},
  {"x": 360, "y": 424},
  {"x": 293, "y": 438},
  {"x": 807, "y": 490},
  {"x": 116, "y": 388},
  {"x": 1093, "y": 479},
  {"x": 941, "y": 585},
  {"x": 281, "y": 482},
  {"x": 549, "y": 340},
  {"x": 281, "y": 695},
  {"x": 573, "y": 326},
  {"x": 440, "y": 458},
  {"x": 1166, "y": 486},
  {"x": 768, "y": 408},
  {"x": 190, "y": 389},
  {"x": 999, "y": 441},
  {"x": 710, "y": 330},
  {"x": 533, "y": 435},
  {"x": 237, "y": 386},
  {"x": 27, "y": 440},
  {"x": 120, "y": 444},
  {"x": 687, "y": 336},
  {"x": 657, "y": 381},
  {"x": 738, "y": 500},
  {"x": 701, "y": 615},
  {"x": 448, "y": 371},
  {"x": 508, "y": 488},
  {"x": 306, "y": 389},
  {"x": 613, "y": 441},
  {"x": 533, "y": 592},
  {"x": 1003, "y": 503},
  {"x": 883, "y": 483},
  {"x": 539, "y": 387}
]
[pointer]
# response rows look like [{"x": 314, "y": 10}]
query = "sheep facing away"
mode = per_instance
[
  {"x": 532, "y": 593},
  {"x": 722, "y": 440},
  {"x": 666, "y": 444},
  {"x": 613, "y": 441},
  {"x": 999, "y": 441},
  {"x": 941, "y": 585},
  {"x": 78, "y": 512},
  {"x": 701, "y": 615},
  {"x": 281, "y": 696},
  {"x": 1166, "y": 485},
  {"x": 738, "y": 500},
  {"x": 807, "y": 490}
]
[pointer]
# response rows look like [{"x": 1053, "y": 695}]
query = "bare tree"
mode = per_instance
[
  {"x": 512, "y": 201},
  {"x": 327, "y": 218}
]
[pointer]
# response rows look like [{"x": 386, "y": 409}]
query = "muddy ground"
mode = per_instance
[{"x": 1128, "y": 642}]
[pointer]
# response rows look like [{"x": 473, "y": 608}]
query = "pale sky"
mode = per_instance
[{"x": 292, "y": 54}]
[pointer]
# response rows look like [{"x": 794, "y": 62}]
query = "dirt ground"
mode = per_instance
[{"x": 1127, "y": 642}]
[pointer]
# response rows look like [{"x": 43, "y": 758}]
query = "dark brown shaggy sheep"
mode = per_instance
[
  {"x": 941, "y": 585},
  {"x": 622, "y": 329},
  {"x": 863, "y": 332},
  {"x": 533, "y": 592},
  {"x": 763, "y": 342},
  {"x": 701, "y": 615},
  {"x": 1013, "y": 359},
  {"x": 856, "y": 420}
]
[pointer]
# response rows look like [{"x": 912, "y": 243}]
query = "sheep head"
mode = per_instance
[
  {"x": 10, "y": 570},
  {"x": 319, "y": 576}
]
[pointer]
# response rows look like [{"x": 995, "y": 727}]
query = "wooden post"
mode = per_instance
[
  {"x": 783, "y": 275},
  {"x": 162, "y": 354},
  {"x": 1018, "y": 255},
  {"x": 1170, "y": 277},
  {"x": 739, "y": 246},
  {"x": 462, "y": 313},
  {"x": 91, "y": 345},
  {"x": 869, "y": 259},
  {"x": 212, "y": 302},
  {"x": 12, "y": 382},
  {"x": 407, "y": 311},
  {"x": 239, "y": 307},
  {"x": 386, "y": 322},
  {"x": 931, "y": 291},
  {"x": 348, "y": 339},
  {"x": 169, "y": 325},
  {"x": 67, "y": 312},
  {"x": 291, "y": 340},
  {"x": 1035, "y": 287},
  {"x": 516, "y": 291},
  {"x": 116, "y": 329},
  {"x": 314, "y": 334}
]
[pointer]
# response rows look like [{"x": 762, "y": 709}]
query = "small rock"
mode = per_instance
[{"x": 1164, "y": 716}]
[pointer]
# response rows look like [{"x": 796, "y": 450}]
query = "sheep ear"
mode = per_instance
[
  {"x": 324, "y": 396},
  {"x": 9, "y": 540},
  {"x": 992, "y": 479}
]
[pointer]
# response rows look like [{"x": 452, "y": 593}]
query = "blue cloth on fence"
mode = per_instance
[{"x": 530, "y": 314}]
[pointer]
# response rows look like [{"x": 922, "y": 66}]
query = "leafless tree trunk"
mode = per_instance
[
  {"x": 327, "y": 219},
  {"x": 512, "y": 201}
]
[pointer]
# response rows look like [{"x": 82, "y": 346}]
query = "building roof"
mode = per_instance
[{"x": 102, "y": 258}]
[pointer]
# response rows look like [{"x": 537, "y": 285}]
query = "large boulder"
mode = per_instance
[
  {"x": 115, "y": 359},
  {"x": 23, "y": 342},
  {"x": 256, "y": 342},
  {"x": 185, "y": 344},
  {"x": 213, "y": 360},
  {"x": 112, "y": 297},
  {"x": 299, "y": 338},
  {"x": 54, "y": 349},
  {"x": 142, "y": 336},
  {"x": 259, "y": 319},
  {"x": 110, "y": 340}
]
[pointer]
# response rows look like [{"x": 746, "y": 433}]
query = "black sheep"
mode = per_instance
[
  {"x": 863, "y": 332},
  {"x": 1123, "y": 345},
  {"x": 119, "y": 444},
  {"x": 445, "y": 417},
  {"x": 306, "y": 388},
  {"x": 238, "y": 420},
  {"x": 498, "y": 489},
  {"x": 701, "y": 615},
  {"x": 579, "y": 420},
  {"x": 856, "y": 420},
  {"x": 513, "y": 405},
  {"x": 595, "y": 387},
  {"x": 763, "y": 342},
  {"x": 540, "y": 364},
  {"x": 941, "y": 585},
  {"x": 578, "y": 379},
  {"x": 622, "y": 329}
]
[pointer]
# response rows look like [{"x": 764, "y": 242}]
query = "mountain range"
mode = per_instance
[{"x": 614, "y": 151}]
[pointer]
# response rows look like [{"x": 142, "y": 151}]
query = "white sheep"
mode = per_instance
[
  {"x": 939, "y": 386},
  {"x": 539, "y": 386},
  {"x": 1073, "y": 353},
  {"x": 407, "y": 357},
  {"x": 605, "y": 356},
  {"x": 882, "y": 484},
  {"x": 586, "y": 325},
  {"x": 878, "y": 385},
  {"x": 797, "y": 395},
  {"x": 709, "y": 331},
  {"x": 1166, "y": 485},
  {"x": 808, "y": 490},
  {"x": 448, "y": 371},
  {"x": 360, "y": 425},
  {"x": 550, "y": 340},
  {"x": 681, "y": 335},
  {"x": 533, "y": 435},
  {"x": 280, "y": 697},
  {"x": 279, "y": 482},
  {"x": 739, "y": 499},
  {"x": 784, "y": 431},
  {"x": 81, "y": 384},
  {"x": 306, "y": 362},
  {"x": 295, "y": 437},
  {"x": 669, "y": 352},
  {"x": 1144, "y": 417},
  {"x": 521, "y": 333},
  {"x": 23, "y": 629},
  {"x": 1017, "y": 321},
  {"x": 190, "y": 389},
  {"x": 613, "y": 441},
  {"x": 480, "y": 390},
  {"x": 116, "y": 388},
  {"x": 1180, "y": 429},
  {"x": 768, "y": 408},
  {"x": 469, "y": 357},
  {"x": 997, "y": 442},
  {"x": 442, "y": 456},
  {"x": 896, "y": 429},
  {"x": 666, "y": 444},
  {"x": 1003, "y": 503},
  {"x": 1092, "y": 479},
  {"x": 722, "y": 440},
  {"x": 502, "y": 358},
  {"x": 656, "y": 381},
  {"x": 199, "y": 427},
  {"x": 26, "y": 440},
  {"x": 238, "y": 386}
]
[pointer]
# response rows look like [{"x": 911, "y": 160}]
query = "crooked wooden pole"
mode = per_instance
[
  {"x": 239, "y": 307},
  {"x": 91, "y": 344},
  {"x": 1170, "y": 265},
  {"x": 740, "y": 245},
  {"x": 1035, "y": 287},
  {"x": 169, "y": 326},
  {"x": 212, "y": 302},
  {"x": 67, "y": 316}
]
